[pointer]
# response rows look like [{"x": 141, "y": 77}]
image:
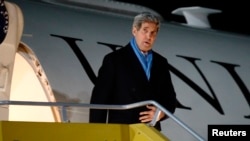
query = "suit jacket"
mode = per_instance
[{"x": 121, "y": 80}]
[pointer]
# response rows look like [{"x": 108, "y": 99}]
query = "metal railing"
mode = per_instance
[{"x": 64, "y": 105}]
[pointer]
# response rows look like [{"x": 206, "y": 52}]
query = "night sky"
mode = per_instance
[{"x": 235, "y": 15}]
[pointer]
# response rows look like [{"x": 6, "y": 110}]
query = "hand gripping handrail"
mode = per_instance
[{"x": 108, "y": 107}]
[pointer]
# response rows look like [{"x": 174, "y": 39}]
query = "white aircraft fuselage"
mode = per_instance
[{"x": 209, "y": 68}]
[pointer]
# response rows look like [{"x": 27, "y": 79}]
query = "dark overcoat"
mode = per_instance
[{"x": 121, "y": 80}]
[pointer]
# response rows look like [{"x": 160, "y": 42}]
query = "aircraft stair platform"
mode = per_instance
[{"x": 49, "y": 131}]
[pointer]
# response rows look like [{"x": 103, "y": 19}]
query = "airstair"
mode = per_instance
[{"x": 64, "y": 131}]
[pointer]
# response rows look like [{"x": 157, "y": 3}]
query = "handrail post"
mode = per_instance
[
  {"x": 156, "y": 117},
  {"x": 64, "y": 114}
]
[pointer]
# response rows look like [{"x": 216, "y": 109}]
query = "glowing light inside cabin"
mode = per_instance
[{"x": 27, "y": 87}]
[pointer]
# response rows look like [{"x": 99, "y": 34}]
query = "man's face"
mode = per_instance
[{"x": 145, "y": 36}]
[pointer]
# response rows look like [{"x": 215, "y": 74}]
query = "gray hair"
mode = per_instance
[{"x": 145, "y": 17}]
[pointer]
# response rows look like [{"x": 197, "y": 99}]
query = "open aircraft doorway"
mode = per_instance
[{"x": 29, "y": 83}]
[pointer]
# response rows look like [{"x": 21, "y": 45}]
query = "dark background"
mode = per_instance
[{"x": 233, "y": 18}]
